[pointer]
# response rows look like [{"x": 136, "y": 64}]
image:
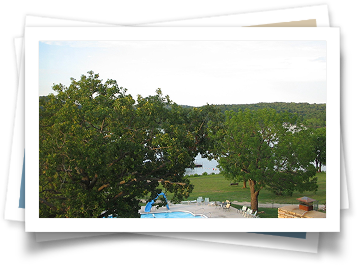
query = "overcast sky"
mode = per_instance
[{"x": 195, "y": 72}]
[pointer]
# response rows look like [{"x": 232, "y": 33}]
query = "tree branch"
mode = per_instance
[
  {"x": 103, "y": 186},
  {"x": 118, "y": 159},
  {"x": 157, "y": 148},
  {"x": 52, "y": 206},
  {"x": 92, "y": 183},
  {"x": 170, "y": 182},
  {"x": 101, "y": 128},
  {"x": 92, "y": 125}
]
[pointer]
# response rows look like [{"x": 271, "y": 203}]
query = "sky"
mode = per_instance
[{"x": 194, "y": 72}]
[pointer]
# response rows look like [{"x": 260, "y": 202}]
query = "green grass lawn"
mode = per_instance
[{"x": 217, "y": 188}]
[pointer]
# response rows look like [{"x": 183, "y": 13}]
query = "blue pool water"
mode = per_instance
[{"x": 171, "y": 215}]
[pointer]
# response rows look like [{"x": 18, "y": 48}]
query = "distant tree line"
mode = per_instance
[{"x": 312, "y": 115}]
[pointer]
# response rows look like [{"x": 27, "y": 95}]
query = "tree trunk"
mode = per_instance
[
  {"x": 318, "y": 165},
  {"x": 244, "y": 184},
  {"x": 253, "y": 196}
]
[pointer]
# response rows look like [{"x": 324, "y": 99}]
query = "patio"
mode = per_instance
[{"x": 209, "y": 210}]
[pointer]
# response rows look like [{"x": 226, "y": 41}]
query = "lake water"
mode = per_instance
[
  {"x": 207, "y": 166},
  {"x": 210, "y": 166}
]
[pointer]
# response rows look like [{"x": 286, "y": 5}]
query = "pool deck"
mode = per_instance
[{"x": 211, "y": 211}]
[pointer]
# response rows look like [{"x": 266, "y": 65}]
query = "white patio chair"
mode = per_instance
[
  {"x": 243, "y": 210},
  {"x": 199, "y": 200},
  {"x": 206, "y": 201},
  {"x": 248, "y": 213},
  {"x": 251, "y": 214}
]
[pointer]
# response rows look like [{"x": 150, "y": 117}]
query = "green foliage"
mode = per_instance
[
  {"x": 268, "y": 149},
  {"x": 319, "y": 142},
  {"x": 313, "y": 115},
  {"x": 102, "y": 150}
]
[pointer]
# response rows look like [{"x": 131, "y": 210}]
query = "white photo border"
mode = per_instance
[{"x": 35, "y": 224}]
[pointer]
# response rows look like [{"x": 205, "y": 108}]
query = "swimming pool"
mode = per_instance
[{"x": 172, "y": 215}]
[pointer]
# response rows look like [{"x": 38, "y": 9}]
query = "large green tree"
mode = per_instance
[
  {"x": 268, "y": 150},
  {"x": 101, "y": 151}
]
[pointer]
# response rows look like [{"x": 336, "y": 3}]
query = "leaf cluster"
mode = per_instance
[{"x": 102, "y": 151}]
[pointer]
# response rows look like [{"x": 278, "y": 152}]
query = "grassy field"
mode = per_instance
[{"x": 217, "y": 188}]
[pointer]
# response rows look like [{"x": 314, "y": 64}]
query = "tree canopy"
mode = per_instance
[
  {"x": 101, "y": 151},
  {"x": 268, "y": 149}
]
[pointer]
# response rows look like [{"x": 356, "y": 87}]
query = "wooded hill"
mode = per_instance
[{"x": 313, "y": 115}]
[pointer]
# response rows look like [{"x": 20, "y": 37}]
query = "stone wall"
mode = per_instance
[{"x": 293, "y": 211}]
